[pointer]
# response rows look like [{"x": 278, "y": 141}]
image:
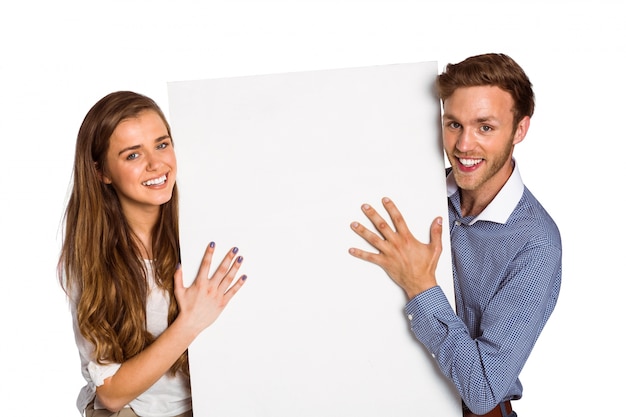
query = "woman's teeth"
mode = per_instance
[{"x": 156, "y": 181}]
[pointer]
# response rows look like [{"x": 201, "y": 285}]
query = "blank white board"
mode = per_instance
[{"x": 279, "y": 165}]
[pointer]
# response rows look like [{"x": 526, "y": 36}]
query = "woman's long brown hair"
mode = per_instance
[{"x": 100, "y": 266}]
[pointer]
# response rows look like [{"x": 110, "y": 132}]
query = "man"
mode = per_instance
[{"x": 506, "y": 250}]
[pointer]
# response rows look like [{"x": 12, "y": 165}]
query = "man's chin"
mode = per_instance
[{"x": 465, "y": 181}]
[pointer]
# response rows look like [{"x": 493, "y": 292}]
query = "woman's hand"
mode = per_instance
[
  {"x": 203, "y": 301},
  {"x": 410, "y": 263}
]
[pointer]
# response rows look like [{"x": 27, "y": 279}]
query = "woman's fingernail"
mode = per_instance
[
  {"x": 235, "y": 249},
  {"x": 239, "y": 259},
  {"x": 212, "y": 244},
  {"x": 244, "y": 277}
]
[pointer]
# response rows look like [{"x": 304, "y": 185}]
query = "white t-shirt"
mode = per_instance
[{"x": 169, "y": 396}]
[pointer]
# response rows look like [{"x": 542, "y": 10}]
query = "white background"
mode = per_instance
[{"x": 58, "y": 58}]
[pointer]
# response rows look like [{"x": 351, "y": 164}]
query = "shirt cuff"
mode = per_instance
[
  {"x": 431, "y": 317},
  {"x": 99, "y": 373},
  {"x": 426, "y": 303}
]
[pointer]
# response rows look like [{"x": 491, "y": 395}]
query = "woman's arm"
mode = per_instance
[{"x": 200, "y": 305}]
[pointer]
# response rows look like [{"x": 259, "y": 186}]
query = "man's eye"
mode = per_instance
[
  {"x": 454, "y": 125},
  {"x": 486, "y": 129}
]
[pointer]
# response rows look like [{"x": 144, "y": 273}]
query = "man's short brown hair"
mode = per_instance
[{"x": 490, "y": 70}]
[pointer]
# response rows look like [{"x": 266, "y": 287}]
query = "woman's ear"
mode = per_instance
[{"x": 101, "y": 175}]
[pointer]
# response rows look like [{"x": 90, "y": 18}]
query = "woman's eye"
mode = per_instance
[
  {"x": 132, "y": 156},
  {"x": 162, "y": 145}
]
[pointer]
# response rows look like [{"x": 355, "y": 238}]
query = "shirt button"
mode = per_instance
[
  {"x": 410, "y": 316},
  {"x": 458, "y": 223}
]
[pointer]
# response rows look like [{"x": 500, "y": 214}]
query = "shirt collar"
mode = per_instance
[{"x": 503, "y": 203}]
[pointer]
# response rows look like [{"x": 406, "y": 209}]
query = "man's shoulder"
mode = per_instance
[{"x": 535, "y": 219}]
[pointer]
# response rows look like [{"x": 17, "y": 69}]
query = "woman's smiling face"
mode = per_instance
[{"x": 140, "y": 163}]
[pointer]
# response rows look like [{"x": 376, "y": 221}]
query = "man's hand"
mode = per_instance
[{"x": 410, "y": 263}]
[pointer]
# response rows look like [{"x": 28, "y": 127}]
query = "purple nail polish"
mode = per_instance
[
  {"x": 235, "y": 249},
  {"x": 212, "y": 244},
  {"x": 239, "y": 259},
  {"x": 244, "y": 277}
]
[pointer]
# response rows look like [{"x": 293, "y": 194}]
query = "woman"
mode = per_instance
[{"x": 133, "y": 317}]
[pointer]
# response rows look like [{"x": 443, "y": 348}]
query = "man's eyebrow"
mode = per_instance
[
  {"x": 482, "y": 119},
  {"x": 449, "y": 117}
]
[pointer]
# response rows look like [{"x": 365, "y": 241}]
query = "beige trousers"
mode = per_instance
[{"x": 124, "y": 412}]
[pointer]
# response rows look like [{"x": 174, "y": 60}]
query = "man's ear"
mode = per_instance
[
  {"x": 101, "y": 175},
  {"x": 521, "y": 130}
]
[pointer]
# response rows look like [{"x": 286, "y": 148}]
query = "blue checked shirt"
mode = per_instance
[{"x": 507, "y": 273}]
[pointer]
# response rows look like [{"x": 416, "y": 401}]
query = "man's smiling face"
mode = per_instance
[{"x": 479, "y": 137}]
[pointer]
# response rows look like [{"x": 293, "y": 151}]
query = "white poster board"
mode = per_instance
[{"x": 279, "y": 165}]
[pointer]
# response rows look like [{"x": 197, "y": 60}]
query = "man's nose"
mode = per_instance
[{"x": 465, "y": 141}]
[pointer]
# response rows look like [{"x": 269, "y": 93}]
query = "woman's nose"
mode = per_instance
[{"x": 153, "y": 161}]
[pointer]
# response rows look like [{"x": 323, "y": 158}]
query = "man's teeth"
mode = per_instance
[
  {"x": 469, "y": 162},
  {"x": 156, "y": 181}
]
